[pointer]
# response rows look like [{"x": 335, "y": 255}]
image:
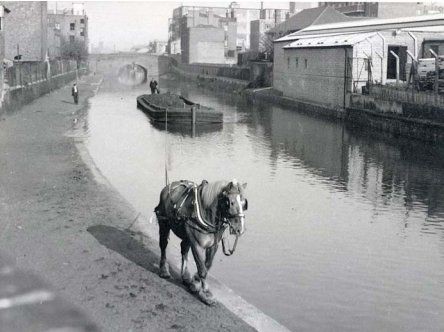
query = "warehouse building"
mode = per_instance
[{"x": 322, "y": 64}]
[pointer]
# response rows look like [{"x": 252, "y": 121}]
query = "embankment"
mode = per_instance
[{"x": 415, "y": 115}]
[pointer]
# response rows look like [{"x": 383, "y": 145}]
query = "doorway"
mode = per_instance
[{"x": 401, "y": 52}]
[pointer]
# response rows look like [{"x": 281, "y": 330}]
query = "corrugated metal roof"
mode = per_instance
[
  {"x": 365, "y": 24},
  {"x": 329, "y": 41}
]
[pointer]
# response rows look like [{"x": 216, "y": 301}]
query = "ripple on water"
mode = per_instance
[{"x": 344, "y": 229}]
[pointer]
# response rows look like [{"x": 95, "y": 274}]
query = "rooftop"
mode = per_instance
[
  {"x": 334, "y": 40},
  {"x": 369, "y": 25},
  {"x": 310, "y": 16}
]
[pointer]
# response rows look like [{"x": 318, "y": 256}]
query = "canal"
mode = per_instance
[{"x": 345, "y": 228}]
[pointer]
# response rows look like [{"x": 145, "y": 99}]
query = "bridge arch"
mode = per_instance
[
  {"x": 132, "y": 74},
  {"x": 112, "y": 64}
]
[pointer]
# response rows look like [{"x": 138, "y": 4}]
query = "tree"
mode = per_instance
[
  {"x": 74, "y": 50},
  {"x": 266, "y": 48}
]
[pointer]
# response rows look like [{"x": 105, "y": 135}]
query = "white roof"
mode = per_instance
[
  {"x": 364, "y": 23},
  {"x": 335, "y": 40}
]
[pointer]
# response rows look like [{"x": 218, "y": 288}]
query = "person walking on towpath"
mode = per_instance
[
  {"x": 75, "y": 93},
  {"x": 153, "y": 86}
]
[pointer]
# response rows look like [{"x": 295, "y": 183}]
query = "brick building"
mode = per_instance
[
  {"x": 3, "y": 12},
  {"x": 54, "y": 40},
  {"x": 72, "y": 25},
  {"x": 322, "y": 64},
  {"x": 203, "y": 44},
  {"x": 257, "y": 34},
  {"x": 197, "y": 15},
  {"x": 26, "y": 30},
  {"x": 376, "y": 9}
]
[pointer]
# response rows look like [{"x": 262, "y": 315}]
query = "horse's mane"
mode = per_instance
[{"x": 210, "y": 192}]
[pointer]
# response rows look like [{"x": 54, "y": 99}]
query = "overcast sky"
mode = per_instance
[{"x": 126, "y": 23}]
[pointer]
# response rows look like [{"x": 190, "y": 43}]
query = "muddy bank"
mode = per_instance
[{"x": 60, "y": 223}]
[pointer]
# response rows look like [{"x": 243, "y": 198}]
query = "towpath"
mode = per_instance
[{"x": 59, "y": 222}]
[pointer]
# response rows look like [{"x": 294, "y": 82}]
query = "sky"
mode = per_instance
[{"x": 123, "y": 24}]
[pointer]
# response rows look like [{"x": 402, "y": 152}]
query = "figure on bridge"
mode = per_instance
[{"x": 153, "y": 86}]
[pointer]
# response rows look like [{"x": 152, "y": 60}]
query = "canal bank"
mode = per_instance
[
  {"x": 414, "y": 119},
  {"x": 62, "y": 224}
]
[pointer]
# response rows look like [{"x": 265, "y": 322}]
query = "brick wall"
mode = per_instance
[
  {"x": 65, "y": 20},
  {"x": 203, "y": 45},
  {"x": 316, "y": 75},
  {"x": 26, "y": 26},
  {"x": 279, "y": 66}
]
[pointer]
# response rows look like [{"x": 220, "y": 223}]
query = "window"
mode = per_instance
[
  {"x": 57, "y": 26},
  {"x": 82, "y": 21},
  {"x": 71, "y": 39},
  {"x": 288, "y": 62},
  {"x": 72, "y": 26},
  {"x": 297, "y": 62},
  {"x": 82, "y": 32},
  {"x": 306, "y": 63}
]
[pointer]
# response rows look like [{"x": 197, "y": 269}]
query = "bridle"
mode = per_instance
[
  {"x": 226, "y": 221},
  {"x": 202, "y": 225}
]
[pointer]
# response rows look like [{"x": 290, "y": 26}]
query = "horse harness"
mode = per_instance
[{"x": 194, "y": 218}]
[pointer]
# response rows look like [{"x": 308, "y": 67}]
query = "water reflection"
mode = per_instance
[
  {"x": 189, "y": 130},
  {"x": 344, "y": 226},
  {"x": 380, "y": 168}
]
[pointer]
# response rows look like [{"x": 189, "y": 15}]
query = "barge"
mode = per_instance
[{"x": 172, "y": 108}]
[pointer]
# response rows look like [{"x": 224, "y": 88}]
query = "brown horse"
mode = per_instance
[{"x": 199, "y": 215}]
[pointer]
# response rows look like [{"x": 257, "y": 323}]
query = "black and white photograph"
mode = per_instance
[{"x": 221, "y": 166}]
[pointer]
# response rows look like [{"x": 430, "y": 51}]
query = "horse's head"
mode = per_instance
[{"x": 233, "y": 204}]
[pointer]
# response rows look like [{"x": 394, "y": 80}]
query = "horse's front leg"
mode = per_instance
[
  {"x": 201, "y": 286},
  {"x": 209, "y": 256},
  {"x": 184, "y": 249}
]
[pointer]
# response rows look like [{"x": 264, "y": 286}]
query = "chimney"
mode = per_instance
[{"x": 292, "y": 7}]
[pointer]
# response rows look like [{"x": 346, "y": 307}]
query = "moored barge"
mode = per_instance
[{"x": 176, "y": 109}]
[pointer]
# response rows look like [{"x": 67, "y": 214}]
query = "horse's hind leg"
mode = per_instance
[
  {"x": 164, "y": 232},
  {"x": 184, "y": 249}
]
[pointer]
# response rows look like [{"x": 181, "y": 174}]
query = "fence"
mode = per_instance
[
  {"x": 28, "y": 72},
  {"x": 406, "y": 96}
]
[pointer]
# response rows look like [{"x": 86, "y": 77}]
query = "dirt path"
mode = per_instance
[{"x": 57, "y": 221}]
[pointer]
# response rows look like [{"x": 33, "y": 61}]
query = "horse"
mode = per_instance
[{"x": 199, "y": 216}]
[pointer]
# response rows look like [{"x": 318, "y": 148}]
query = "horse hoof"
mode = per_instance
[
  {"x": 164, "y": 273},
  {"x": 195, "y": 287},
  {"x": 207, "y": 297}
]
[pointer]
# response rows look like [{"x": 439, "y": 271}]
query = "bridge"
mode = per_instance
[{"x": 112, "y": 64}]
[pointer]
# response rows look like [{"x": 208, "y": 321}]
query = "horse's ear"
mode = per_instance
[
  {"x": 245, "y": 205},
  {"x": 244, "y": 185}
]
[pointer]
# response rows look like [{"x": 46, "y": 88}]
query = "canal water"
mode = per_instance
[{"x": 345, "y": 227}]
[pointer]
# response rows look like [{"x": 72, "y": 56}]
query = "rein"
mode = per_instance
[{"x": 230, "y": 251}]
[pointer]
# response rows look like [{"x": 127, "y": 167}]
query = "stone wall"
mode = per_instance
[
  {"x": 239, "y": 73},
  {"x": 416, "y": 120},
  {"x": 398, "y": 108},
  {"x": 212, "y": 82}
]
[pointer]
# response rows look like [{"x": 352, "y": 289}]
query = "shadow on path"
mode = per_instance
[
  {"x": 122, "y": 242},
  {"x": 68, "y": 102}
]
